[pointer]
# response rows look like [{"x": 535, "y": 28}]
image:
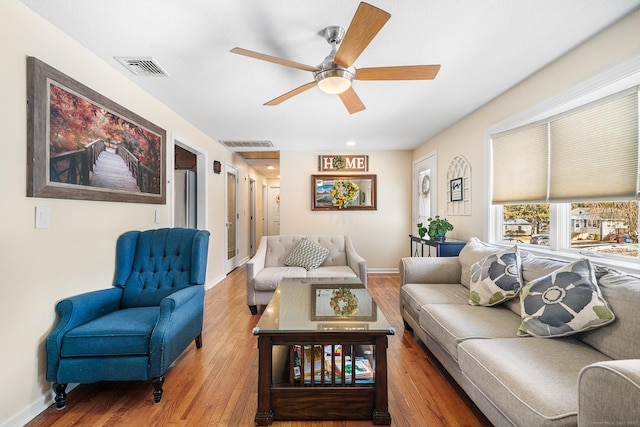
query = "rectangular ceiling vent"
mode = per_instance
[
  {"x": 247, "y": 144},
  {"x": 142, "y": 66}
]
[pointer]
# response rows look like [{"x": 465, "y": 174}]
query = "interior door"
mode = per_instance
[
  {"x": 274, "y": 210},
  {"x": 252, "y": 217},
  {"x": 232, "y": 217},
  {"x": 425, "y": 195}
]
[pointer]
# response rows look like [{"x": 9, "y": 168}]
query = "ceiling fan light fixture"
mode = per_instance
[{"x": 334, "y": 81}]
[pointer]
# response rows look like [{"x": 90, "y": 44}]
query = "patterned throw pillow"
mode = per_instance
[
  {"x": 307, "y": 254},
  {"x": 564, "y": 302},
  {"x": 495, "y": 278}
]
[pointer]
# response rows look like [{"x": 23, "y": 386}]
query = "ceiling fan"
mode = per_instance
[{"x": 336, "y": 73}]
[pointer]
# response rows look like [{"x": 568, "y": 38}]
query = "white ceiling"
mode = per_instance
[{"x": 485, "y": 47}]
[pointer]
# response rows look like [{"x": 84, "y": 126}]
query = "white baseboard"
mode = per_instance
[{"x": 33, "y": 410}]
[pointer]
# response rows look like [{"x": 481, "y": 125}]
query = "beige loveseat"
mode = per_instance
[
  {"x": 267, "y": 267},
  {"x": 590, "y": 378}
]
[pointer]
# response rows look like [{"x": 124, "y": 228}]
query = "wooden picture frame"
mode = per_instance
[
  {"x": 456, "y": 190},
  {"x": 72, "y": 131},
  {"x": 348, "y": 198}
]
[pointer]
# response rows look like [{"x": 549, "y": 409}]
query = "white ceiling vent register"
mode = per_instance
[
  {"x": 142, "y": 66},
  {"x": 247, "y": 144}
]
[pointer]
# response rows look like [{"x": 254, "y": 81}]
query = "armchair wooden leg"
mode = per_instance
[
  {"x": 157, "y": 389},
  {"x": 61, "y": 395},
  {"x": 253, "y": 309},
  {"x": 199, "y": 340}
]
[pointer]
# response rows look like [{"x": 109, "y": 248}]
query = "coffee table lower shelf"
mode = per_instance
[{"x": 287, "y": 401}]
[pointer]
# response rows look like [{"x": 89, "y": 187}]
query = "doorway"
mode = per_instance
[
  {"x": 252, "y": 217},
  {"x": 425, "y": 190},
  {"x": 231, "y": 200},
  {"x": 273, "y": 210},
  {"x": 188, "y": 186}
]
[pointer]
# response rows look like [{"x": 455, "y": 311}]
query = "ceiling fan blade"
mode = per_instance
[
  {"x": 275, "y": 60},
  {"x": 410, "y": 72},
  {"x": 351, "y": 100},
  {"x": 366, "y": 23},
  {"x": 291, "y": 94}
]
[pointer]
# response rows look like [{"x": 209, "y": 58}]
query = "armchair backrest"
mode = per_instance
[{"x": 153, "y": 264}]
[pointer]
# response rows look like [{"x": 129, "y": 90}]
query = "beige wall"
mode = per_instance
[
  {"x": 76, "y": 254},
  {"x": 609, "y": 49},
  {"x": 380, "y": 236}
]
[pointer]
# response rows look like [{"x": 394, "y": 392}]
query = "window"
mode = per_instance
[{"x": 570, "y": 181}]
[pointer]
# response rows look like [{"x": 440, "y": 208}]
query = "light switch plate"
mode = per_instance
[
  {"x": 157, "y": 216},
  {"x": 43, "y": 216}
]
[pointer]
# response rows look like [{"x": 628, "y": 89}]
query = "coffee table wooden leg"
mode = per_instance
[
  {"x": 264, "y": 414},
  {"x": 381, "y": 415}
]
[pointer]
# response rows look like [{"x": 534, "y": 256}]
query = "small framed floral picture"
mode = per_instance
[{"x": 331, "y": 302}]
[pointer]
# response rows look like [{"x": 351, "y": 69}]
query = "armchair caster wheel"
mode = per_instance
[
  {"x": 61, "y": 395},
  {"x": 157, "y": 389}
]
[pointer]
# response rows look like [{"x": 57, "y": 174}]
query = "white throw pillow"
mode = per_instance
[
  {"x": 307, "y": 254},
  {"x": 563, "y": 302},
  {"x": 496, "y": 278}
]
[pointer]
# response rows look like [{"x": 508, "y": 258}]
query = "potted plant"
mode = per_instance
[
  {"x": 438, "y": 227},
  {"x": 422, "y": 231}
]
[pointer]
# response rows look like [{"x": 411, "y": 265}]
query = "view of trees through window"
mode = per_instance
[{"x": 603, "y": 227}]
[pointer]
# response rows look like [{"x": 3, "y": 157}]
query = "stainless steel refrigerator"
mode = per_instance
[{"x": 184, "y": 184}]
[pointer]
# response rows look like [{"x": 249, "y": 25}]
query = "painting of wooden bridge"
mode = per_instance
[{"x": 84, "y": 146}]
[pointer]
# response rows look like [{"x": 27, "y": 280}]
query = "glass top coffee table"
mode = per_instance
[{"x": 322, "y": 353}]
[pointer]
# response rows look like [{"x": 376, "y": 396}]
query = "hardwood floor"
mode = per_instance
[{"x": 217, "y": 385}]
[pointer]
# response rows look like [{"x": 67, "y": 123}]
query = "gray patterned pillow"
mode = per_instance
[
  {"x": 307, "y": 254},
  {"x": 495, "y": 278},
  {"x": 564, "y": 302}
]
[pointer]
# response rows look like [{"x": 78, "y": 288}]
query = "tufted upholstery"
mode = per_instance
[
  {"x": 267, "y": 268},
  {"x": 136, "y": 329}
]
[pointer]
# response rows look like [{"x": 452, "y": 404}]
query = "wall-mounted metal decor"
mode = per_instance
[{"x": 82, "y": 145}]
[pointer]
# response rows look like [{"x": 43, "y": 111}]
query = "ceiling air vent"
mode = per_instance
[
  {"x": 142, "y": 66},
  {"x": 246, "y": 144}
]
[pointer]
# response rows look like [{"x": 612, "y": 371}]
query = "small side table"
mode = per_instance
[{"x": 447, "y": 248}]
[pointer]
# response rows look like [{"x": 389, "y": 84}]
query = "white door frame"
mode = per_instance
[
  {"x": 230, "y": 262},
  {"x": 202, "y": 221},
  {"x": 430, "y": 162}
]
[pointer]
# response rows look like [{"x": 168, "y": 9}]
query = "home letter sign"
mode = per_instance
[{"x": 334, "y": 163}]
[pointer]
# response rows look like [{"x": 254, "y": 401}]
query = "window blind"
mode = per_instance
[{"x": 589, "y": 153}]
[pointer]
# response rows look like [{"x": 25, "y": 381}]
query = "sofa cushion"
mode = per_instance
[
  {"x": 471, "y": 253},
  {"x": 332, "y": 271},
  {"x": 564, "y": 302},
  {"x": 120, "y": 333},
  {"x": 450, "y": 324},
  {"x": 495, "y": 278},
  {"x": 307, "y": 254},
  {"x": 534, "y": 381},
  {"x": 268, "y": 278},
  {"x": 622, "y": 293},
  {"x": 414, "y": 295}
]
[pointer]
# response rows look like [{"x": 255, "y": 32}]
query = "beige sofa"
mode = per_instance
[
  {"x": 267, "y": 267},
  {"x": 590, "y": 378}
]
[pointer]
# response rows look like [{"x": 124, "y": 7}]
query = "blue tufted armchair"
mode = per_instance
[{"x": 137, "y": 328}]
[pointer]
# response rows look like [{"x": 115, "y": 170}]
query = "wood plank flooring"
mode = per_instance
[{"x": 217, "y": 385}]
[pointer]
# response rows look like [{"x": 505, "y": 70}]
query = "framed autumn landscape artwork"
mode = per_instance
[{"x": 81, "y": 145}]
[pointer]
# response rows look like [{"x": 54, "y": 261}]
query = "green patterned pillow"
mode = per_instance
[
  {"x": 307, "y": 254},
  {"x": 564, "y": 302},
  {"x": 495, "y": 278}
]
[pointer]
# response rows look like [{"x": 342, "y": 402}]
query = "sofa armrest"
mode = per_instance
[
  {"x": 429, "y": 270},
  {"x": 355, "y": 261},
  {"x": 609, "y": 392}
]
